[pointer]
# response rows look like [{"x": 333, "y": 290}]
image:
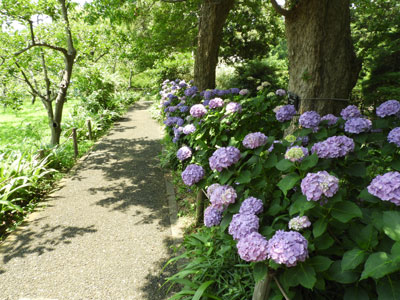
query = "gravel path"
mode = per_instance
[{"x": 105, "y": 234}]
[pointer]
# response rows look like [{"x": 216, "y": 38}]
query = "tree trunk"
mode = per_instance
[
  {"x": 322, "y": 63},
  {"x": 213, "y": 15}
]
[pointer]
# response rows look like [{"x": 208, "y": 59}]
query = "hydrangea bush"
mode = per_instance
[{"x": 317, "y": 210}]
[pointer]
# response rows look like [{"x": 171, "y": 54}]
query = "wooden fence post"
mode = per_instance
[
  {"x": 262, "y": 288},
  {"x": 199, "y": 208},
  {"x": 89, "y": 125},
  {"x": 75, "y": 141}
]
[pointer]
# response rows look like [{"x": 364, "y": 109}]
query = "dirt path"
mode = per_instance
[{"x": 105, "y": 234}]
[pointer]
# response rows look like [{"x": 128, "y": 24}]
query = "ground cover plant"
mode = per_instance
[{"x": 312, "y": 210}]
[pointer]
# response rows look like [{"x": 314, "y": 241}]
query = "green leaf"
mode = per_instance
[
  {"x": 395, "y": 164},
  {"x": 225, "y": 175},
  {"x": 305, "y": 274},
  {"x": 271, "y": 161},
  {"x": 202, "y": 289},
  {"x": 309, "y": 162},
  {"x": 288, "y": 182},
  {"x": 351, "y": 259},
  {"x": 320, "y": 263},
  {"x": 354, "y": 292},
  {"x": 321, "y": 134},
  {"x": 378, "y": 265},
  {"x": 396, "y": 251},
  {"x": 357, "y": 170},
  {"x": 388, "y": 289},
  {"x": 301, "y": 205},
  {"x": 388, "y": 149},
  {"x": 323, "y": 242},
  {"x": 284, "y": 165},
  {"x": 366, "y": 196},
  {"x": 226, "y": 220},
  {"x": 260, "y": 271},
  {"x": 345, "y": 211},
  {"x": 244, "y": 177},
  {"x": 319, "y": 227},
  {"x": 391, "y": 224},
  {"x": 367, "y": 237},
  {"x": 335, "y": 273}
]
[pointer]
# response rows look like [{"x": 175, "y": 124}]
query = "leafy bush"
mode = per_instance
[{"x": 353, "y": 241}]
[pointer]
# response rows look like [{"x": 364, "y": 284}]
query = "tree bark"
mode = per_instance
[
  {"x": 322, "y": 63},
  {"x": 212, "y": 19}
]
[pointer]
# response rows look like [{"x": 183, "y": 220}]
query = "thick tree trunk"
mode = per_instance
[
  {"x": 213, "y": 15},
  {"x": 322, "y": 63}
]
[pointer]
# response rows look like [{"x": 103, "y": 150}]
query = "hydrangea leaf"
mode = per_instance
[
  {"x": 271, "y": 161},
  {"x": 366, "y": 196},
  {"x": 244, "y": 177},
  {"x": 388, "y": 289},
  {"x": 357, "y": 170},
  {"x": 225, "y": 176},
  {"x": 306, "y": 275},
  {"x": 367, "y": 237},
  {"x": 391, "y": 224},
  {"x": 301, "y": 205},
  {"x": 284, "y": 165},
  {"x": 260, "y": 271},
  {"x": 378, "y": 265},
  {"x": 395, "y": 164},
  {"x": 352, "y": 259},
  {"x": 288, "y": 182},
  {"x": 355, "y": 292},
  {"x": 321, "y": 134},
  {"x": 323, "y": 242},
  {"x": 309, "y": 162},
  {"x": 320, "y": 263},
  {"x": 396, "y": 251},
  {"x": 319, "y": 227},
  {"x": 345, "y": 211},
  {"x": 336, "y": 273}
]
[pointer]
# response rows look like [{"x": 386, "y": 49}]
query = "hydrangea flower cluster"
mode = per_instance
[
  {"x": 394, "y": 136},
  {"x": 253, "y": 247},
  {"x": 251, "y": 205},
  {"x": 386, "y": 187},
  {"x": 192, "y": 91},
  {"x": 357, "y": 125},
  {"x": 198, "y": 110},
  {"x": 333, "y": 147},
  {"x": 285, "y": 113},
  {"x": 280, "y": 92},
  {"x": 212, "y": 216},
  {"x": 233, "y": 107},
  {"x": 296, "y": 153},
  {"x": 388, "y": 108},
  {"x": 350, "y": 112},
  {"x": 222, "y": 196},
  {"x": 242, "y": 225},
  {"x": 332, "y": 119},
  {"x": 216, "y": 102},
  {"x": 254, "y": 140},
  {"x": 299, "y": 223},
  {"x": 224, "y": 157},
  {"x": 287, "y": 247},
  {"x": 184, "y": 153},
  {"x": 188, "y": 129},
  {"x": 211, "y": 189},
  {"x": 208, "y": 94},
  {"x": 315, "y": 185},
  {"x": 310, "y": 119},
  {"x": 170, "y": 121},
  {"x": 243, "y": 92},
  {"x": 192, "y": 174}
]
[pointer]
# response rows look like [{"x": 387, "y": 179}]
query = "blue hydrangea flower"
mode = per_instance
[
  {"x": 350, "y": 112},
  {"x": 310, "y": 119},
  {"x": 388, "y": 108},
  {"x": 251, "y": 205},
  {"x": 254, "y": 140},
  {"x": 192, "y": 174},
  {"x": 332, "y": 119},
  {"x": 223, "y": 158},
  {"x": 287, "y": 247},
  {"x": 285, "y": 113},
  {"x": 192, "y": 91},
  {"x": 212, "y": 216},
  {"x": 394, "y": 136},
  {"x": 357, "y": 125},
  {"x": 253, "y": 247},
  {"x": 334, "y": 147},
  {"x": 242, "y": 225},
  {"x": 386, "y": 187}
]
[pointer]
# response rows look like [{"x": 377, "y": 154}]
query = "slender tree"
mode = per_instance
[{"x": 322, "y": 63}]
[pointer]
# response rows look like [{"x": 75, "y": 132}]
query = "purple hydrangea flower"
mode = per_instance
[
  {"x": 188, "y": 129},
  {"x": 299, "y": 223},
  {"x": 216, "y": 102},
  {"x": 253, "y": 247},
  {"x": 184, "y": 108},
  {"x": 184, "y": 153},
  {"x": 287, "y": 247},
  {"x": 223, "y": 158},
  {"x": 285, "y": 113},
  {"x": 304, "y": 140},
  {"x": 243, "y": 92},
  {"x": 386, "y": 187},
  {"x": 179, "y": 121},
  {"x": 280, "y": 92},
  {"x": 192, "y": 174},
  {"x": 234, "y": 91},
  {"x": 394, "y": 136},
  {"x": 350, "y": 112},
  {"x": 198, "y": 110},
  {"x": 357, "y": 125},
  {"x": 212, "y": 216},
  {"x": 310, "y": 119},
  {"x": 333, "y": 147},
  {"x": 251, "y": 205},
  {"x": 182, "y": 84},
  {"x": 222, "y": 196},
  {"x": 233, "y": 107},
  {"x": 242, "y": 225},
  {"x": 332, "y": 119},
  {"x": 272, "y": 146},
  {"x": 208, "y": 94},
  {"x": 314, "y": 185},
  {"x": 166, "y": 103},
  {"x": 254, "y": 140},
  {"x": 388, "y": 108},
  {"x": 296, "y": 153},
  {"x": 211, "y": 189},
  {"x": 172, "y": 108},
  {"x": 191, "y": 91}
]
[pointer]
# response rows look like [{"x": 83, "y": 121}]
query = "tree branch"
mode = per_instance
[
  {"x": 60, "y": 49},
  {"x": 28, "y": 82},
  {"x": 71, "y": 49},
  {"x": 46, "y": 76},
  {"x": 31, "y": 30},
  {"x": 280, "y": 10}
]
